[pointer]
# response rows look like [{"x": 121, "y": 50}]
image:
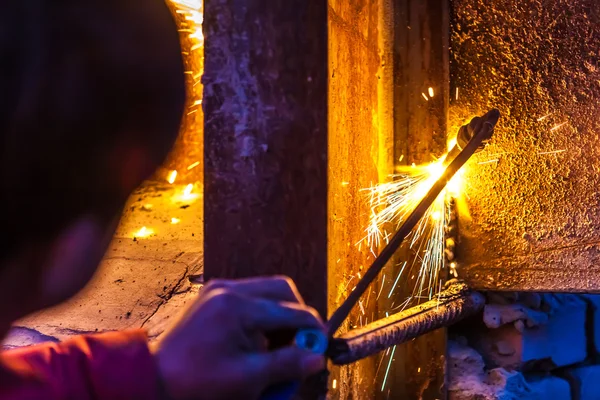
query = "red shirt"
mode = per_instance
[{"x": 110, "y": 366}]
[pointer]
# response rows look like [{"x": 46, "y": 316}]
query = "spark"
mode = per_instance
[
  {"x": 193, "y": 12},
  {"x": 143, "y": 233},
  {"x": 488, "y": 161},
  {"x": 187, "y": 196},
  {"x": 381, "y": 289},
  {"x": 194, "y": 165},
  {"x": 392, "y": 202},
  {"x": 397, "y": 279},
  {"x": 175, "y": 221},
  {"x": 556, "y": 127},
  {"x": 540, "y": 119},
  {"x": 552, "y": 152},
  {"x": 388, "y": 368},
  {"x": 456, "y": 95},
  {"x": 334, "y": 384},
  {"x": 430, "y": 91},
  {"x": 172, "y": 177},
  {"x": 453, "y": 269},
  {"x": 425, "y": 96}
]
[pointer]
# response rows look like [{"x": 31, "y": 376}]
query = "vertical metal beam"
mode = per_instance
[
  {"x": 421, "y": 61},
  {"x": 360, "y": 155},
  {"x": 265, "y": 104}
]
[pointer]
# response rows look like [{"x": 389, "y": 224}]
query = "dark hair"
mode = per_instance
[{"x": 78, "y": 79}]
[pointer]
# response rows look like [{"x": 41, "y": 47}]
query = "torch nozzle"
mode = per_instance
[{"x": 478, "y": 126}]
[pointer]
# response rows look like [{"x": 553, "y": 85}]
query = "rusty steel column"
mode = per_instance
[{"x": 265, "y": 104}]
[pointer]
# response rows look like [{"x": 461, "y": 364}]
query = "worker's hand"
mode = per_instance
[{"x": 218, "y": 350}]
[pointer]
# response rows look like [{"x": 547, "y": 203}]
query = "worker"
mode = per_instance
[{"x": 91, "y": 97}]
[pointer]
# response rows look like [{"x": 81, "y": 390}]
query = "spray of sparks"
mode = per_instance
[
  {"x": 390, "y": 204},
  {"x": 193, "y": 11}
]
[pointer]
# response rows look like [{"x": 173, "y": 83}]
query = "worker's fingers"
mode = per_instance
[
  {"x": 279, "y": 288},
  {"x": 267, "y": 316},
  {"x": 287, "y": 364}
]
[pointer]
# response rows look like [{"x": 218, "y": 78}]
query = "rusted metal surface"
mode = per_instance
[
  {"x": 265, "y": 105},
  {"x": 265, "y": 137},
  {"x": 451, "y": 305},
  {"x": 421, "y": 60},
  {"x": 532, "y": 215},
  {"x": 360, "y": 154}
]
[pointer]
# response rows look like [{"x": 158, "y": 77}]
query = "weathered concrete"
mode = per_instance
[
  {"x": 138, "y": 278},
  {"x": 534, "y": 207}
]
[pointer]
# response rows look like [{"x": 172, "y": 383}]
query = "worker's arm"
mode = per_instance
[
  {"x": 108, "y": 366},
  {"x": 218, "y": 350}
]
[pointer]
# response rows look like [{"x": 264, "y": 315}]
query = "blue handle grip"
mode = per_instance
[{"x": 310, "y": 340}]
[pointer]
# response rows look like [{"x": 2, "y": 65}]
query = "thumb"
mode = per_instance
[{"x": 287, "y": 364}]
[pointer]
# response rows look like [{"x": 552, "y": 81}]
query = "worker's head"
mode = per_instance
[{"x": 91, "y": 97}]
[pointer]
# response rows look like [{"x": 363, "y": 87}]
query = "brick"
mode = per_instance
[
  {"x": 468, "y": 380},
  {"x": 589, "y": 381},
  {"x": 515, "y": 345},
  {"x": 594, "y": 301},
  {"x": 550, "y": 387}
]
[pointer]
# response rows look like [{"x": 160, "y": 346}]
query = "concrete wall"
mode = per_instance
[{"x": 533, "y": 193}]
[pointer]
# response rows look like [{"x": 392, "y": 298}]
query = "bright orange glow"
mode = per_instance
[
  {"x": 188, "y": 195},
  {"x": 143, "y": 233}
]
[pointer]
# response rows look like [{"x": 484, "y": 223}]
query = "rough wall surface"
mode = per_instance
[
  {"x": 265, "y": 104},
  {"x": 358, "y": 154},
  {"x": 533, "y": 193}
]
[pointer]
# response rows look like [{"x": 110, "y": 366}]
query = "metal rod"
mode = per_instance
[
  {"x": 453, "y": 304},
  {"x": 483, "y": 129}
]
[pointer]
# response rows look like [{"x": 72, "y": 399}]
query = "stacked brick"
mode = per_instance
[{"x": 528, "y": 346}]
